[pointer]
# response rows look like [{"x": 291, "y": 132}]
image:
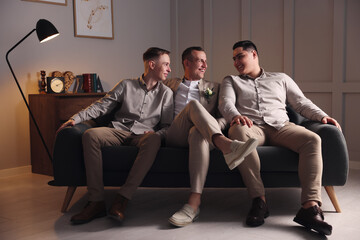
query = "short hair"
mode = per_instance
[
  {"x": 154, "y": 52},
  {"x": 187, "y": 52},
  {"x": 246, "y": 45}
]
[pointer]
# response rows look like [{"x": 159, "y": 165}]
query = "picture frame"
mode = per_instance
[
  {"x": 57, "y": 2},
  {"x": 93, "y": 19}
]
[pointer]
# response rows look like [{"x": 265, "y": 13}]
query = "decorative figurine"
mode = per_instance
[{"x": 43, "y": 83}]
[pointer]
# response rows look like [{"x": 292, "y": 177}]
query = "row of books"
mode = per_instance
[{"x": 88, "y": 82}]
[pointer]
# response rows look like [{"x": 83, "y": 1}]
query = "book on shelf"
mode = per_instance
[
  {"x": 99, "y": 86},
  {"x": 92, "y": 83},
  {"x": 87, "y": 82},
  {"x": 79, "y": 84}
]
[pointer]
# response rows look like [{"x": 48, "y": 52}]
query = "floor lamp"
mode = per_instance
[{"x": 45, "y": 31}]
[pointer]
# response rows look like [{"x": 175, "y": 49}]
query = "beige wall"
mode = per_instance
[
  {"x": 138, "y": 25},
  {"x": 315, "y": 42}
]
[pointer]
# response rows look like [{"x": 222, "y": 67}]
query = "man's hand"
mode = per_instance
[
  {"x": 330, "y": 120},
  {"x": 241, "y": 120},
  {"x": 67, "y": 123}
]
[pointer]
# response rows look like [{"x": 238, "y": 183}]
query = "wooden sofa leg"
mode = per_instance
[
  {"x": 331, "y": 193},
  {"x": 69, "y": 194}
]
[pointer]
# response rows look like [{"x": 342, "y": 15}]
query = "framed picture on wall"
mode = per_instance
[
  {"x": 58, "y": 2},
  {"x": 93, "y": 19}
]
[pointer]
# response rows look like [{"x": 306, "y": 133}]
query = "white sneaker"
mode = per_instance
[
  {"x": 239, "y": 151},
  {"x": 184, "y": 216}
]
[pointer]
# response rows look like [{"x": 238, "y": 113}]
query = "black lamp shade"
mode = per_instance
[{"x": 45, "y": 30}]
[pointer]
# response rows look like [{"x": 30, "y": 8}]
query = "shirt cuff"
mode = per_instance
[{"x": 76, "y": 118}]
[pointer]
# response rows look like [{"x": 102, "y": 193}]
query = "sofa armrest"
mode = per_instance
[
  {"x": 68, "y": 161},
  {"x": 334, "y": 152},
  {"x": 294, "y": 116}
]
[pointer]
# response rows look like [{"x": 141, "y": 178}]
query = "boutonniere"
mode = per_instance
[{"x": 208, "y": 93}]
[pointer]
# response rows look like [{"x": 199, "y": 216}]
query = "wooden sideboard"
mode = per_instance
[{"x": 50, "y": 111}]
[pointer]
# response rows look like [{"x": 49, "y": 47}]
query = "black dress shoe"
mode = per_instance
[
  {"x": 313, "y": 218},
  {"x": 91, "y": 211},
  {"x": 258, "y": 212}
]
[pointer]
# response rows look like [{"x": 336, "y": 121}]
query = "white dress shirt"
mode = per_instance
[{"x": 187, "y": 91}]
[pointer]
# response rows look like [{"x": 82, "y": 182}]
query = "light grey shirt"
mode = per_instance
[
  {"x": 264, "y": 99},
  {"x": 139, "y": 110}
]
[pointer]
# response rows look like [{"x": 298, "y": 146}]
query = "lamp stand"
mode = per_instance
[{"x": 23, "y": 96}]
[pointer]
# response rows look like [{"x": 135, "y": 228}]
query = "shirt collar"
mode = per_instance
[
  {"x": 143, "y": 84},
  {"x": 247, "y": 77},
  {"x": 141, "y": 80},
  {"x": 190, "y": 83}
]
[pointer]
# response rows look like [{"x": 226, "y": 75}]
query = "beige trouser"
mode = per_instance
[
  {"x": 96, "y": 138},
  {"x": 297, "y": 138},
  {"x": 194, "y": 127}
]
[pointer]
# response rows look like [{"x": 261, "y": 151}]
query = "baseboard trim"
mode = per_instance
[
  {"x": 354, "y": 165},
  {"x": 15, "y": 171}
]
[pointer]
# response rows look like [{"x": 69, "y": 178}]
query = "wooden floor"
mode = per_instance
[{"x": 30, "y": 209}]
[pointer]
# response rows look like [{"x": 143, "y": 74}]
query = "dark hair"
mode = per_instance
[
  {"x": 246, "y": 45},
  {"x": 154, "y": 52},
  {"x": 187, "y": 52}
]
